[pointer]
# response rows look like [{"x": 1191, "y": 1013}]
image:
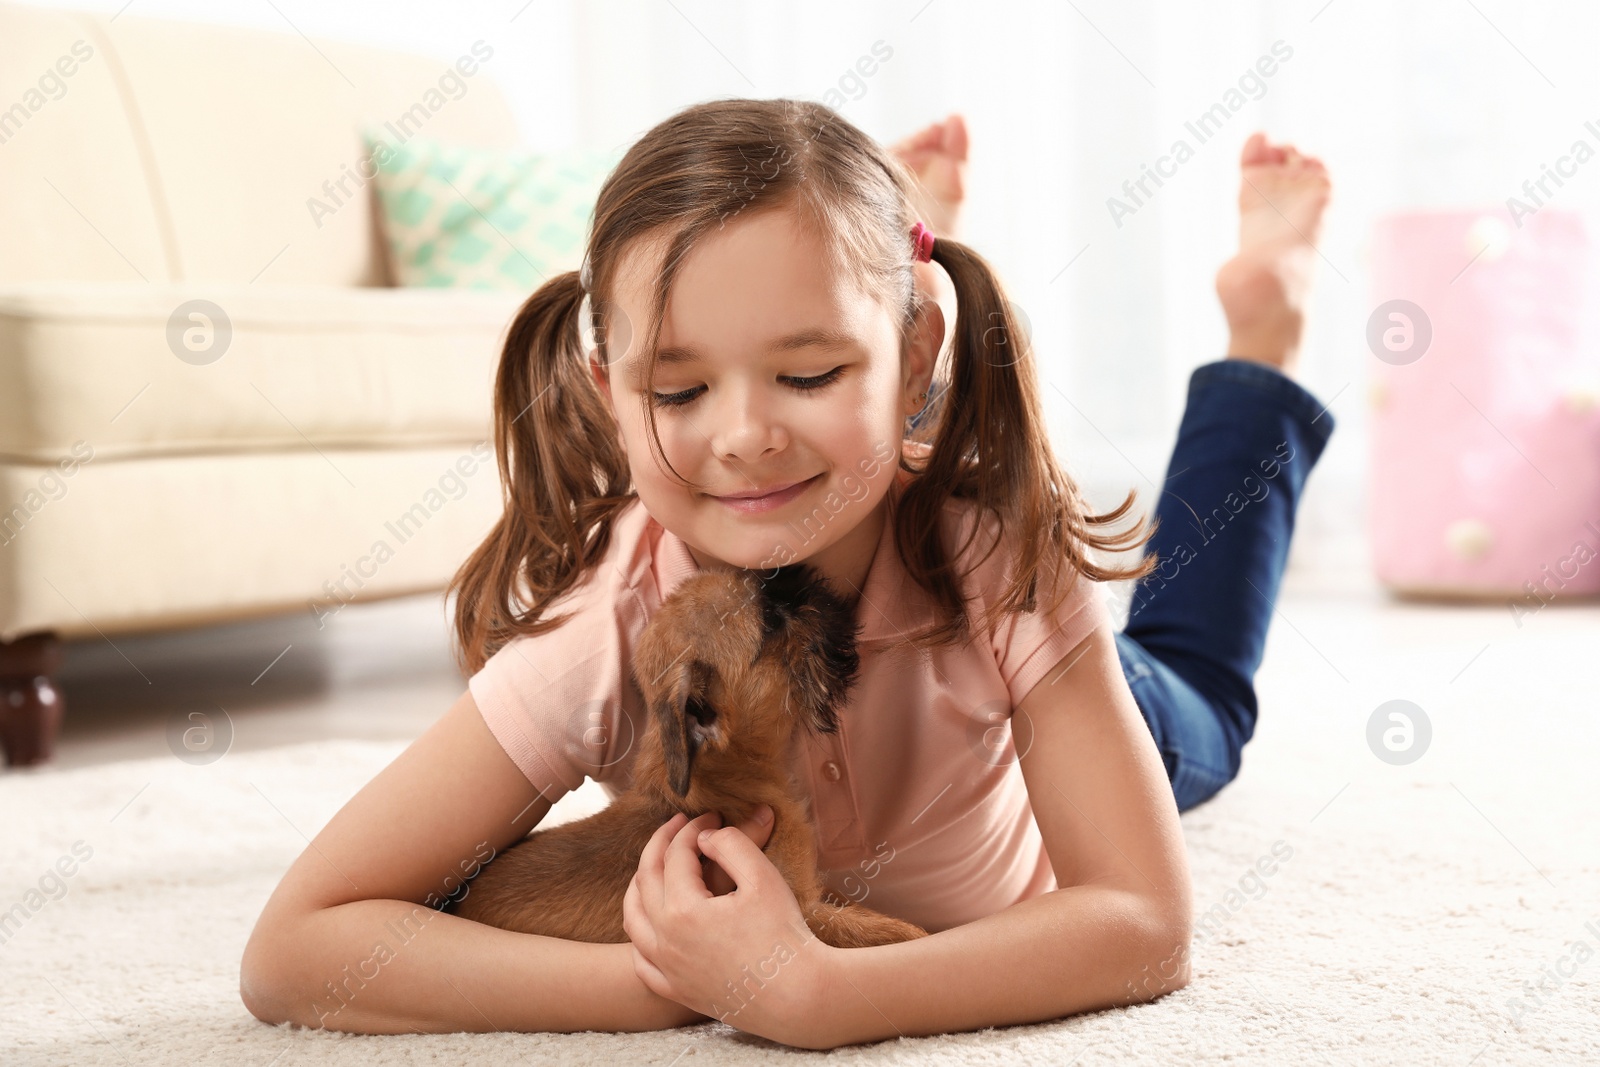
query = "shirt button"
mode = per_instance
[{"x": 830, "y": 770}]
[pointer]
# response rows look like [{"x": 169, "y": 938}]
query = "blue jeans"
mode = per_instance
[{"x": 1198, "y": 623}]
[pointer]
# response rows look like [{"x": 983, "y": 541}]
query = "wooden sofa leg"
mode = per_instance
[{"x": 30, "y": 703}]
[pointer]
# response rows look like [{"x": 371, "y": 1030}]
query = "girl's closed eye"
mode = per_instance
[{"x": 679, "y": 399}]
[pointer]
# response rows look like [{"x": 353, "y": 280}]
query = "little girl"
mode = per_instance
[{"x": 745, "y": 374}]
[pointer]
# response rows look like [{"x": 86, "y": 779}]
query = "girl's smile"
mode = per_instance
[{"x": 753, "y": 503}]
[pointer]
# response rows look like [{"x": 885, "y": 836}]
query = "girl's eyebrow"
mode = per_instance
[{"x": 812, "y": 337}]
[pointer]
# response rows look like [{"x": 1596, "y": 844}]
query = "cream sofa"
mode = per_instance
[{"x": 322, "y": 440}]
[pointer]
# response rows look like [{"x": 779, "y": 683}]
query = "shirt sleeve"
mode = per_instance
[
  {"x": 1027, "y": 645},
  {"x": 558, "y": 702}
]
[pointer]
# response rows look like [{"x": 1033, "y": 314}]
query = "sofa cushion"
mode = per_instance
[
  {"x": 184, "y": 540},
  {"x": 258, "y": 134},
  {"x": 182, "y": 150},
  {"x": 136, "y": 369},
  {"x": 479, "y": 218},
  {"x": 76, "y": 198}
]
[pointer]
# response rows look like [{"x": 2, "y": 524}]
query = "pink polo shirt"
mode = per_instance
[{"x": 919, "y": 803}]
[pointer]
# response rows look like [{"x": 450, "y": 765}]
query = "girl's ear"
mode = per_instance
[
  {"x": 922, "y": 351},
  {"x": 603, "y": 381}
]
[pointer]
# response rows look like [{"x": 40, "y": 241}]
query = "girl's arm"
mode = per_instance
[
  {"x": 1116, "y": 932},
  {"x": 347, "y": 942}
]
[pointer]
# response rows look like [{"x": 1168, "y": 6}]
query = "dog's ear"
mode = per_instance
[
  {"x": 684, "y": 719},
  {"x": 813, "y": 631}
]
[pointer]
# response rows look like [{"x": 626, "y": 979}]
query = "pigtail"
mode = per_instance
[
  {"x": 990, "y": 445},
  {"x": 563, "y": 477}
]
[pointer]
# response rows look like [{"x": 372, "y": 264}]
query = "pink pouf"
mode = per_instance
[{"x": 1485, "y": 446}]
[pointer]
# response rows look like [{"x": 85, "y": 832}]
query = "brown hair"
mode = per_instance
[{"x": 562, "y": 466}]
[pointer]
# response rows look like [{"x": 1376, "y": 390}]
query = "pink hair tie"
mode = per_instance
[{"x": 922, "y": 243}]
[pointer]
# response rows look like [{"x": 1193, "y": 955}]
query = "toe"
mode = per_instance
[
  {"x": 956, "y": 143},
  {"x": 1254, "y": 150},
  {"x": 928, "y": 138},
  {"x": 1258, "y": 152}
]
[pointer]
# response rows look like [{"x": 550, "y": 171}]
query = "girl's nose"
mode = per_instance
[{"x": 747, "y": 426}]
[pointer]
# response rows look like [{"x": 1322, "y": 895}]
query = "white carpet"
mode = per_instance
[{"x": 1417, "y": 902}]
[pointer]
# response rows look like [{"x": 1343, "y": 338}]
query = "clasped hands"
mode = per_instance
[{"x": 716, "y": 928}]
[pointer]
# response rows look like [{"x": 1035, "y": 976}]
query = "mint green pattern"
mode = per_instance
[{"x": 479, "y": 218}]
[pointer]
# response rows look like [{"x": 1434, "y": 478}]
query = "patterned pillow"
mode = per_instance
[{"x": 478, "y": 218}]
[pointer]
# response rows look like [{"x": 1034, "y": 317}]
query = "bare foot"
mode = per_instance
[
  {"x": 938, "y": 157},
  {"x": 1263, "y": 288}
]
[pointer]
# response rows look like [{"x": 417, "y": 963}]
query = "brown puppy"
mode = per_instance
[{"x": 732, "y": 667}]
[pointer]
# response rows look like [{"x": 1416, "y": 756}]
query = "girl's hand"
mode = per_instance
[
  {"x": 746, "y": 958},
  {"x": 758, "y": 828}
]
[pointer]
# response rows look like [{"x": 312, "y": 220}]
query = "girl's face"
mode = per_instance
[{"x": 773, "y": 371}]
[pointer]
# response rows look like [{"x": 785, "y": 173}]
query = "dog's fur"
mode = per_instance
[{"x": 732, "y": 667}]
